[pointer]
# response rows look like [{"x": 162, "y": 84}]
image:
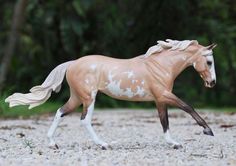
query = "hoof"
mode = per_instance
[
  {"x": 54, "y": 147},
  {"x": 178, "y": 146},
  {"x": 208, "y": 131},
  {"x": 105, "y": 146}
]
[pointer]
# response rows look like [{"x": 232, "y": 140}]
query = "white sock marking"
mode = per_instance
[
  {"x": 169, "y": 140},
  {"x": 55, "y": 123},
  {"x": 87, "y": 123}
]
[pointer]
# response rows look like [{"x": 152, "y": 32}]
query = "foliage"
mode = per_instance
[{"x": 58, "y": 31}]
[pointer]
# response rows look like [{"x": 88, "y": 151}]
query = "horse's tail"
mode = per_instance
[{"x": 41, "y": 93}]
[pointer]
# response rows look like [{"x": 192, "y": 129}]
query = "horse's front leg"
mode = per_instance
[
  {"x": 171, "y": 99},
  {"x": 163, "y": 115}
]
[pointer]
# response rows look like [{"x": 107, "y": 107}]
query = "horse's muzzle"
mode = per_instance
[
  {"x": 210, "y": 84},
  {"x": 213, "y": 83}
]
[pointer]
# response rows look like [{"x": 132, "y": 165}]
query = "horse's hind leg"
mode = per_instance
[
  {"x": 70, "y": 106},
  {"x": 86, "y": 117}
]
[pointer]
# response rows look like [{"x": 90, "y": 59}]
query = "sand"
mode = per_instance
[{"x": 135, "y": 136}]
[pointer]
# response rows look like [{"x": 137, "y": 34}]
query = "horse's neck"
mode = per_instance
[
  {"x": 180, "y": 63},
  {"x": 171, "y": 64}
]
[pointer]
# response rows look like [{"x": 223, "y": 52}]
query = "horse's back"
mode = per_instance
[
  {"x": 93, "y": 63},
  {"x": 100, "y": 59},
  {"x": 87, "y": 71}
]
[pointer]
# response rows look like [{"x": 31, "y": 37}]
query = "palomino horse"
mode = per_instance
[{"x": 149, "y": 77}]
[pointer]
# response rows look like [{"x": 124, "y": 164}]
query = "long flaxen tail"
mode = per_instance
[{"x": 41, "y": 93}]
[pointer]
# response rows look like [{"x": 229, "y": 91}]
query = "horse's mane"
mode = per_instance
[{"x": 169, "y": 44}]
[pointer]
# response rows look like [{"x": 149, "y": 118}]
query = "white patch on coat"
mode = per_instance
[
  {"x": 194, "y": 64},
  {"x": 87, "y": 81},
  {"x": 130, "y": 74},
  {"x": 93, "y": 66},
  {"x": 140, "y": 91},
  {"x": 115, "y": 89},
  {"x": 128, "y": 92},
  {"x": 134, "y": 81},
  {"x": 142, "y": 82}
]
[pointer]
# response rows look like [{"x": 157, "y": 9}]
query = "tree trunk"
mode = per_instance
[{"x": 17, "y": 21}]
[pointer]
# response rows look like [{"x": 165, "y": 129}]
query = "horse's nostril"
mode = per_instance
[{"x": 213, "y": 83}]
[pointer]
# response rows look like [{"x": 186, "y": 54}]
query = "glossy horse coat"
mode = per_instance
[{"x": 149, "y": 77}]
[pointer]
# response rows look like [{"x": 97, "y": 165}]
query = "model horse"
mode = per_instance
[{"x": 149, "y": 77}]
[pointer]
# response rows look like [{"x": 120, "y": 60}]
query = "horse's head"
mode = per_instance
[{"x": 204, "y": 65}]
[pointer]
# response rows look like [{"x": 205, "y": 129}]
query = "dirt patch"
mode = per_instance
[{"x": 135, "y": 136}]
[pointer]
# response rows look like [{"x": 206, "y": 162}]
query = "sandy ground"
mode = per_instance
[{"x": 135, "y": 136}]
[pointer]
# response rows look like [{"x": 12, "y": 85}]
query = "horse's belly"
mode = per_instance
[
  {"x": 129, "y": 97},
  {"x": 130, "y": 93}
]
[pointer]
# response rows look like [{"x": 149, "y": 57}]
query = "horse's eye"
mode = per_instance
[{"x": 209, "y": 63}]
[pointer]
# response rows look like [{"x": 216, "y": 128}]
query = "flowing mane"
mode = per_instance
[{"x": 169, "y": 44}]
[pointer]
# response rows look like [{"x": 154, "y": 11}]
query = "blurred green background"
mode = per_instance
[{"x": 37, "y": 35}]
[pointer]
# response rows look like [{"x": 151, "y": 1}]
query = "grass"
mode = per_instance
[
  {"x": 29, "y": 144},
  {"x": 51, "y": 107}
]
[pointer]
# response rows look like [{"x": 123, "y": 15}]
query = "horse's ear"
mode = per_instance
[{"x": 212, "y": 46}]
